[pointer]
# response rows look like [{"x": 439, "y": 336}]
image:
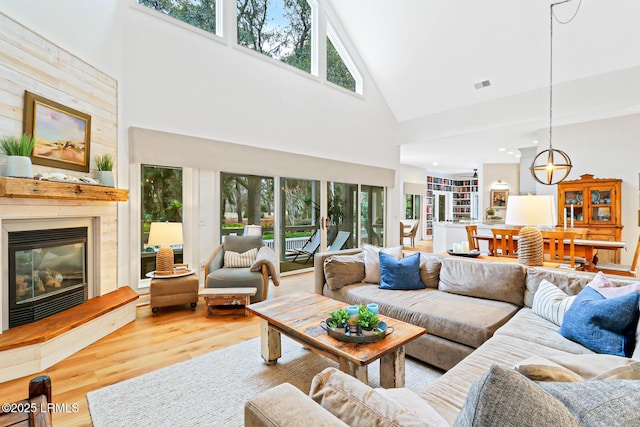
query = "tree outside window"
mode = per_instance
[{"x": 199, "y": 13}]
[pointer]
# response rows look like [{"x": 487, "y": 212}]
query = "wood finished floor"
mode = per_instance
[{"x": 175, "y": 335}]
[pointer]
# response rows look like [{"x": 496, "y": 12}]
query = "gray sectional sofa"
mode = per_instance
[{"x": 478, "y": 314}]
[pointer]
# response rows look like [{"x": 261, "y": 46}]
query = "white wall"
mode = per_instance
[
  {"x": 492, "y": 174},
  {"x": 606, "y": 149}
]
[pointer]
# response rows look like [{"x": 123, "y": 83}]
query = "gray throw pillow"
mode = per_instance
[
  {"x": 503, "y": 397},
  {"x": 599, "y": 403}
]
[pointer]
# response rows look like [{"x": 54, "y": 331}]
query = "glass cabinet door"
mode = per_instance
[
  {"x": 573, "y": 206},
  {"x": 601, "y": 211}
]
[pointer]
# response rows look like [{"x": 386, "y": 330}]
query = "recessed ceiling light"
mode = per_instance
[
  {"x": 509, "y": 152},
  {"x": 502, "y": 149},
  {"x": 535, "y": 142},
  {"x": 434, "y": 164},
  {"x": 518, "y": 155}
]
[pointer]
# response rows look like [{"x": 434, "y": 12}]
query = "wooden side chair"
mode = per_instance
[
  {"x": 504, "y": 242},
  {"x": 472, "y": 231},
  {"x": 555, "y": 248},
  {"x": 621, "y": 269},
  {"x": 411, "y": 233}
]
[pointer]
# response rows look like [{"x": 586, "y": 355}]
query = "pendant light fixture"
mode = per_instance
[{"x": 552, "y": 166}]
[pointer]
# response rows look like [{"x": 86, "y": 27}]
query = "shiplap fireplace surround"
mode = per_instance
[{"x": 100, "y": 217}]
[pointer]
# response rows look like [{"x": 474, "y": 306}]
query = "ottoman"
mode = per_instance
[{"x": 169, "y": 291}]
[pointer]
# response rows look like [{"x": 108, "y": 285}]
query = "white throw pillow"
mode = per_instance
[
  {"x": 240, "y": 260},
  {"x": 551, "y": 303},
  {"x": 372, "y": 260}
]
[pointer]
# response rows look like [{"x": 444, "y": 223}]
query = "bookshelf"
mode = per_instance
[{"x": 462, "y": 196}]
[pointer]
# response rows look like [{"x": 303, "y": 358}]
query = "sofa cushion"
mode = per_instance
[
  {"x": 341, "y": 270},
  {"x": 603, "y": 325},
  {"x": 474, "y": 322},
  {"x": 579, "y": 367},
  {"x": 504, "y": 397},
  {"x": 357, "y": 404},
  {"x": 413, "y": 404},
  {"x": 599, "y": 403},
  {"x": 550, "y": 303},
  {"x": 492, "y": 280},
  {"x": 403, "y": 274},
  {"x": 430, "y": 270},
  {"x": 242, "y": 243},
  {"x": 240, "y": 259},
  {"x": 372, "y": 260}
]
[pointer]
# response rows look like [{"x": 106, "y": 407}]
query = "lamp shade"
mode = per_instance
[
  {"x": 530, "y": 210},
  {"x": 165, "y": 234}
]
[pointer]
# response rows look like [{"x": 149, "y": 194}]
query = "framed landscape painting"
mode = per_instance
[
  {"x": 62, "y": 135},
  {"x": 499, "y": 198}
]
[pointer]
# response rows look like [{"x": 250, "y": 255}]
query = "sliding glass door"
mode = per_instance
[
  {"x": 299, "y": 223},
  {"x": 372, "y": 214},
  {"x": 342, "y": 216}
]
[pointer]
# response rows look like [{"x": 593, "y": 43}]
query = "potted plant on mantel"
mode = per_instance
[
  {"x": 104, "y": 163},
  {"x": 18, "y": 151}
]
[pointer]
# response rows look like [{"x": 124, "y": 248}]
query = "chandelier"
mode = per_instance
[{"x": 552, "y": 166}]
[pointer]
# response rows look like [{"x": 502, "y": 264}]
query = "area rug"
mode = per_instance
[{"x": 211, "y": 390}]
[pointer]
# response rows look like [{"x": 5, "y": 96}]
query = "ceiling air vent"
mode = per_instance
[{"x": 480, "y": 85}]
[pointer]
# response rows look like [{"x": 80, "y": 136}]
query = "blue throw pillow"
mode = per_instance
[
  {"x": 401, "y": 274},
  {"x": 602, "y": 325}
]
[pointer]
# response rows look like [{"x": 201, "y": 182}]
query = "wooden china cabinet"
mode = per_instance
[{"x": 596, "y": 205}]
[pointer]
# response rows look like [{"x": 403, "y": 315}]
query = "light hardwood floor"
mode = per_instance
[{"x": 175, "y": 335}]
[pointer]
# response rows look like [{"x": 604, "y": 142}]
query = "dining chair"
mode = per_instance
[
  {"x": 504, "y": 242},
  {"x": 472, "y": 231},
  {"x": 620, "y": 269},
  {"x": 555, "y": 246},
  {"x": 411, "y": 233}
]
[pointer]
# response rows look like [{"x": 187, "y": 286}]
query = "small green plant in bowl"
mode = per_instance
[
  {"x": 339, "y": 318},
  {"x": 104, "y": 162},
  {"x": 367, "y": 320},
  {"x": 14, "y": 146}
]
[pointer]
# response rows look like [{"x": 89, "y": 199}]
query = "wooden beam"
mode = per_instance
[{"x": 33, "y": 188}]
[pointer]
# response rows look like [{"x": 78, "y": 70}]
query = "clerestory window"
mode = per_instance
[
  {"x": 199, "y": 13},
  {"x": 280, "y": 29}
]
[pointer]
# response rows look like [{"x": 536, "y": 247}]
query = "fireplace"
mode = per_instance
[
  {"x": 47, "y": 272},
  {"x": 48, "y": 266}
]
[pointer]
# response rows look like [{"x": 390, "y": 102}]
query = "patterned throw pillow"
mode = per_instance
[
  {"x": 550, "y": 302},
  {"x": 240, "y": 260}
]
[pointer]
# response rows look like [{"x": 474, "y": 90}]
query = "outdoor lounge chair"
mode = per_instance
[
  {"x": 339, "y": 241},
  {"x": 309, "y": 248}
]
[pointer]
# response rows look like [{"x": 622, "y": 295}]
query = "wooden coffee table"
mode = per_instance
[{"x": 298, "y": 316}]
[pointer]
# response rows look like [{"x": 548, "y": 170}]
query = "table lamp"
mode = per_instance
[
  {"x": 530, "y": 212},
  {"x": 165, "y": 234}
]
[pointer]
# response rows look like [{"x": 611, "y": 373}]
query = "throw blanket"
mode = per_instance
[{"x": 267, "y": 256}]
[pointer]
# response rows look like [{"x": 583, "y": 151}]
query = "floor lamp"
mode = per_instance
[
  {"x": 165, "y": 234},
  {"x": 530, "y": 212}
]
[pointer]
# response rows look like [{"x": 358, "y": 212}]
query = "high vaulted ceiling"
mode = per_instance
[{"x": 426, "y": 55}]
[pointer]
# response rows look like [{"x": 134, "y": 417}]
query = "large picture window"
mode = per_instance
[
  {"x": 161, "y": 201},
  {"x": 246, "y": 200}
]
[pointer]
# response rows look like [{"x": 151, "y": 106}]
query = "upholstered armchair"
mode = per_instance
[{"x": 254, "y": 271}]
